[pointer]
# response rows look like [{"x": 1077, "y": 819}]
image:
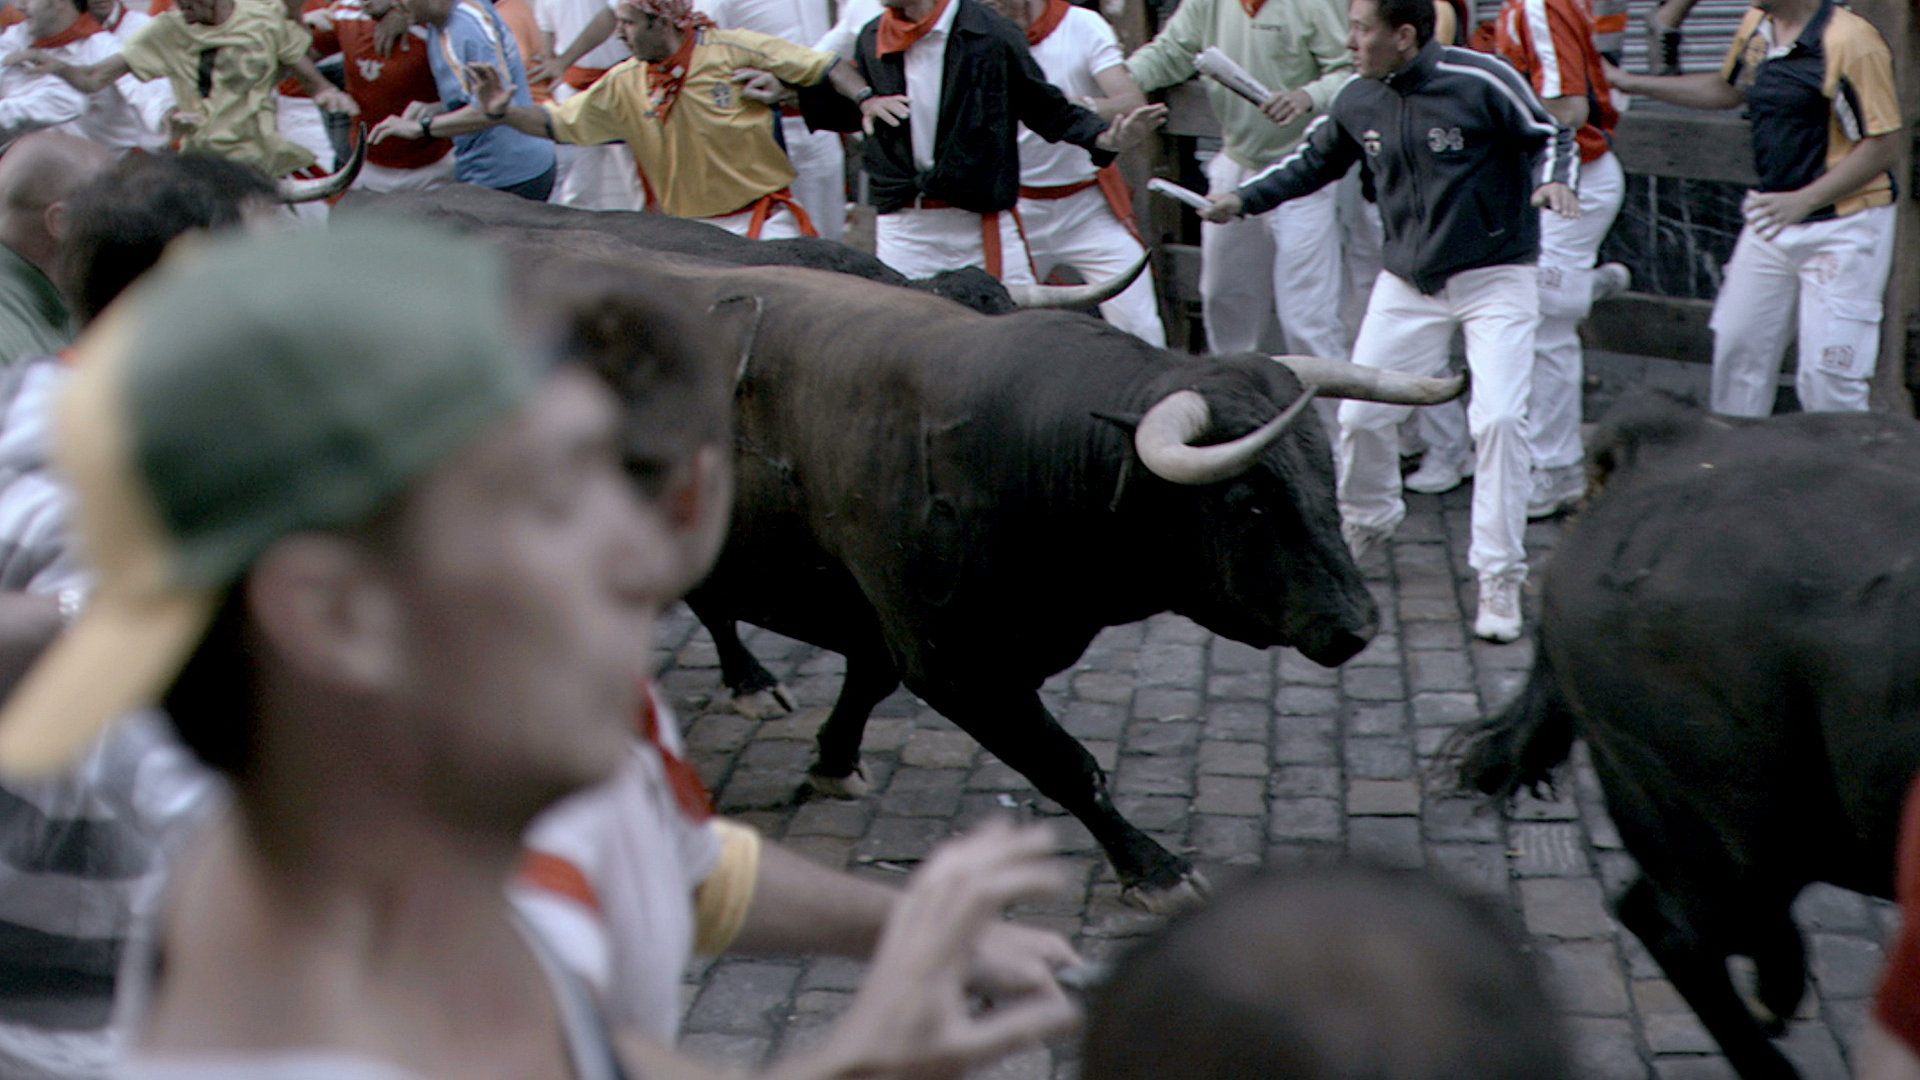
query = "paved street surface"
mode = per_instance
[{"x": 1242, "y": 758}]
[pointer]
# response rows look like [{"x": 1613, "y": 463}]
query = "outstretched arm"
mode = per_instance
[
  {"x": 87, "y": 79},
  {"x": 591, "y": 35},
  {"x": 492, "y": 96},
  {"x": 326, "y": 95},
  {"x": 1701, "y": 90}
]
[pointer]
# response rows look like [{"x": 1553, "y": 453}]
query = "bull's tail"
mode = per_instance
[{"x": 1520, "y": 748}]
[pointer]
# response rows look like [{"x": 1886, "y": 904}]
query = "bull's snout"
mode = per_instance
[{"x": 1332, "y": 642}]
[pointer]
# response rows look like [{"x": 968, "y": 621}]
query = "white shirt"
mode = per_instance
[
  {"x": 1080, "y": 46},
  {"x": 562, "y": 20},
  {"x": 926, "y": 66},
  {"x": 854, "y": 17},
  {"x": 799, "y": 21},
  {"x": 122, "y": 116}
]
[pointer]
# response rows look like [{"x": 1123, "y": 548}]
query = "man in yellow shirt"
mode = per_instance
[
  {"x": 705, "y": 149},
  {"x": 223, "y": 59}
]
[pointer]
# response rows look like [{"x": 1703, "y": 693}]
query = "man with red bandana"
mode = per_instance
[{"x": 705, "y": 149}]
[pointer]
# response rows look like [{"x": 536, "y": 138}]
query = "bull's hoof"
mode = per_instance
[
  {"x": 854, "y": 785},
  {"x": 1190, "y": 891},
  {"x": 764, "y": 704}
]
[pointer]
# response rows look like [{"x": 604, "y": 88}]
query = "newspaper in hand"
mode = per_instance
[
  {"x": 1215, "y": 65},
  {"x": 1174, "y": 191}
]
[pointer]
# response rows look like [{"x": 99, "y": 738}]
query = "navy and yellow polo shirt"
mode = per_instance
[{"x": 1814, "y": 99}]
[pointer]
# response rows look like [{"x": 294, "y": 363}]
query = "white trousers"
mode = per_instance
[
  {"x": 1082, "y": 232},
  {"x": 1497, "y": 307},
  {"x": 1835, "y": 273},
  {"x": 921, "y": 243},
  {"x": 594, "y": 177},
  {"x": 1569, "y": 249},
  {"x": 820, "y": 181},
  {"x": 780, "y": 224},
  {"x": 381, "y": 178},
  {"x": 1284, "y": 262}
]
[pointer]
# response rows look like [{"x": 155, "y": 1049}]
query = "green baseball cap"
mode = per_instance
[{"x": 249, "y": 388}]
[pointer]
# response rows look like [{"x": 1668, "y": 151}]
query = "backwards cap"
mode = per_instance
[{"x": 249, "y": 389}]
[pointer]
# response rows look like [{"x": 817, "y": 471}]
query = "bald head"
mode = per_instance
[{"x": 36, "y": 174}]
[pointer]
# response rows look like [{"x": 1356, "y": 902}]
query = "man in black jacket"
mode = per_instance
[
  {"x": 946, "y": 182},
  {"x": 1457, "y": 142}
]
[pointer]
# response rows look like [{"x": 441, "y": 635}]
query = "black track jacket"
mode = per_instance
[
  {"x": 989, "y": 86},
  {"x": 1457, "y": 143}
]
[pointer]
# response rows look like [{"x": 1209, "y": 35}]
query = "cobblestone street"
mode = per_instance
[{"x": 1240, "y": 757}]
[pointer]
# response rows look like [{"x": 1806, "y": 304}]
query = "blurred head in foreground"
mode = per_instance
[{"x": 1328, "y": 973}]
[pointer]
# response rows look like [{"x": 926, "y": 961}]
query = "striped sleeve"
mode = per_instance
[
  {"x": 1733, "y": 69},
  {"x": 1511, "y": 97},
  {"x": 1323, "y": 155}
]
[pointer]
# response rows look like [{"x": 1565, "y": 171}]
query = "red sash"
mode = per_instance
[
  {"x": 83, "y": 27},
  {"x": 1112, "y": 185},
  {"x": 898, "y": 33},
  {"x": 764, "y": 206},
  {"x": 582, "y": 77},
  {"x": 1038, "y": 30}
]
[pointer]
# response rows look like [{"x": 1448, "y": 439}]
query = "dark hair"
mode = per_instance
[
  {"x": 1328, "y": 973},
  {"x": 211, "y": 701},
  {"x": 119, "y": 223},
  {"x": 1415, "y": 13}
]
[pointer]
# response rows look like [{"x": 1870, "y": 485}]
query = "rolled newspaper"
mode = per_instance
[
  {"x": 1215, "y": 65},
  {"x": 1174, "y": 191}
]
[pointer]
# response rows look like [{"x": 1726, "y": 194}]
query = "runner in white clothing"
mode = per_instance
[
  {"x": 1074, "y": 214},
  {"x": 590, "y": 177},
  {"x": 123, "y": 115}
]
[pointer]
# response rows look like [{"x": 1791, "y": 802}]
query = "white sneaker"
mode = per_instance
[
  {"x": 1555, "y": 490},
  {"x": 1610, "y": 280},
  {"x": 1437, "y": 475},
  {"x": 1364, "y": 538},
  {"x": 1499, "y": 616}
]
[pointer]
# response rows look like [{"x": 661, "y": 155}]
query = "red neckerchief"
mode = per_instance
[
  {"x": 83, "y": 27},
  {"x": 1251, "y": 7},
  {"x": 688, "y": 791},
  {"x": 668, "y": 77},
  {"x": 1056, "y": 12},
  {"x": 898, "y": 33}
]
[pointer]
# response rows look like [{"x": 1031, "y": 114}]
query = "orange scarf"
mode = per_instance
[
  {"x": 668, "y": 77},
  {"x": 1048, "y": 20},
  {"x": 83, "y": 27},
  {"x": 897, "y": 34}
]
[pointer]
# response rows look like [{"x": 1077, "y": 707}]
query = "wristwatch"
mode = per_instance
[
  {"x": 426, "y": 127},
  {"x": 861, "y": 97}
]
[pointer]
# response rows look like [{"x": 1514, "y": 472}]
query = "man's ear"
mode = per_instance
[
  {"x": 1407, "y": 38},
  {"x": 54, "y": 218},
  {"x": 318, "y": 601}
]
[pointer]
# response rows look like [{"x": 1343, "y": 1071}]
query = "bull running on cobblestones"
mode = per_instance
[
  {"x": 962, "y": 502},
  {"x": 1733, "y": 626}
]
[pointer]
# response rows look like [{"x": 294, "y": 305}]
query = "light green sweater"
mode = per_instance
[
  {"x": 33, "y": 316},
  {"x": 1289, "y": 45}
]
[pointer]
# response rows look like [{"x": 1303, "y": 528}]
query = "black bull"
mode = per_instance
[
  {"x": 961, "y": 503},
  {"x": 1733, "y": 627}
]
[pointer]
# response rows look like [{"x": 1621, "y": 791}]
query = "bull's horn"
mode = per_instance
[
  {"x": 1164, "y": 440},
  {"x": 291, "y": 190},
  {"x": 1340, "y": 379},
  {"x": 1076, "y": 296}
]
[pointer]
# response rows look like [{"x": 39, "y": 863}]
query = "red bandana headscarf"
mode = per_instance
[{"x": 670, "y": 75}]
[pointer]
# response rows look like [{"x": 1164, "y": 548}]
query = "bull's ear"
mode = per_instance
[
  {"x": 736, "y": 323},
  {"x": 1125, "y": 422}
]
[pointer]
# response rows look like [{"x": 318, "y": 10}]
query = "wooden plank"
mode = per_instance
[
  {"x": 1899, "y": 370},
  {"x": 1685, "y": 144}
]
